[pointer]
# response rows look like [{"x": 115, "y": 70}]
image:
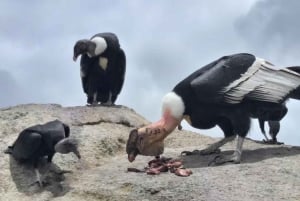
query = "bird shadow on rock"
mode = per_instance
[
  {"x": 24, "y": 177},
  {"x": 248, "y": 156}
]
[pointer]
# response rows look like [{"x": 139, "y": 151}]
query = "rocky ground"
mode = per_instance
[{"x": 267, "y": 172}]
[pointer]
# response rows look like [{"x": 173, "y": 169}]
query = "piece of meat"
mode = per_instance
[
  {"x": 153, "y": 171},
  {"x": 183, "y": 172},
  {"x": 174, "y": 163},
  {"x": 155, "y": 163},
  {"x": 163, "y": 168},
  {"x": 162, "y": 164}
]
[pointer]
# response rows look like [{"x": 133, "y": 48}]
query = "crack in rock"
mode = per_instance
[{"x": 91, "y": 123}]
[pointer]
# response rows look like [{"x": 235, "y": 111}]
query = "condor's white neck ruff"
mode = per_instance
[
  {"x": 101, "y": 45},
  {"x": 174, "y": 103}
]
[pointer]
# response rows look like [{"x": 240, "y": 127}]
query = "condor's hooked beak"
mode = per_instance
[
  {"x": 67, "y": 145},
  {"x": 75, "y": 58},
  {"x": 149, "y": 140}
]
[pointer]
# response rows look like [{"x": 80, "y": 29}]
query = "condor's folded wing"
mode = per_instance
[{"x": 244, "y": 77}]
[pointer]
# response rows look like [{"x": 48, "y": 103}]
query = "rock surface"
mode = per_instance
[{"x": 267, "y": 172}]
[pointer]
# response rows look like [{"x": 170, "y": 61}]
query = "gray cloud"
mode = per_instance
[
  {"x": 164, "y": 41},
  {"x": 10, "y": 91},
  {"x": 272, "y": 28}
]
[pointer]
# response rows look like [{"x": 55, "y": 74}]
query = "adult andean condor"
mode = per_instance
[
  {"x": 225, "y": 93},
  {"x": 103, "y": 66},
  {"x": 42, "y": 140}
]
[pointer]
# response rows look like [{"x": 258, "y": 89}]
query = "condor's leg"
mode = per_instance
[
  {"x": 234, "y": 158},
  {"x": 274, "y": 127},
  {"x": 109, "y": 101},
  {"x": 227, "y": 128},
  {"x": 38, "y": 175},
  {"x": 242, "y": 126},
  {"x": 262, "y": 128}
]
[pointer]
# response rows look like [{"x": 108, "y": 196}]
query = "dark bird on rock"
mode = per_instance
[
  {"x": 103, "y": 67},
  {"x": 226, "y": 93},
  {"x": 39, "y": 141}
]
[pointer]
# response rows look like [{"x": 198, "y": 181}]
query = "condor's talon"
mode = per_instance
[
  {"x": 40, "y": 183},
  {"x": 272, "y": 142},
  {"x": 210, "y": 163},
  {"x": 268, "y": 141},
  {"x": 94, "y": 104},
  {"x": 218, "y": 160},
  {"x": 214, "y": 161}
]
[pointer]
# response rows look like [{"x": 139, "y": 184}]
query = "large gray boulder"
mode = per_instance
[{"x": 267, "y": 172}]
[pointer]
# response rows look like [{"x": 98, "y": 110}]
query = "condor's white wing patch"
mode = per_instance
[{"x": 263, "y": 82}]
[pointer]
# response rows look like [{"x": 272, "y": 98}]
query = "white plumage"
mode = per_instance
[
  {"x": 262, "y": 82},
  {"x": 101, "y": 45},
  {"x": 174, "y": 103}
]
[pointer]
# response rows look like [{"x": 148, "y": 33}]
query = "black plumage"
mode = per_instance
[
  {"x": 274, "y": 127},
  {"x": 226, "y": 93},
  {"x": 42, "y": 140},
  {"x": 230, "y": 91},
  {"x": 103, "y": 67}
]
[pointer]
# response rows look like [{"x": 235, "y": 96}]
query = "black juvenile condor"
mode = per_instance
[
  {"x": 103, "y": 66},
  {"x": 225, "y": 93},
  {"x": 39, "y": 141}
]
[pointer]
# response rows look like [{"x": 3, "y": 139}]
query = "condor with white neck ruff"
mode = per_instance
[
  {"x": 225, "y": 93},
  {"x": 103, "y": 66}
]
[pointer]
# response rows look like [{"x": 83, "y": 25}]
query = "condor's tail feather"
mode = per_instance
[
  {"x": 296, "y": 93},
  {"x": 9, "y": 150}
]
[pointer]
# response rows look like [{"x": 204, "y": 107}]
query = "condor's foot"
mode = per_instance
[
  {"x": 39, "y": 179},
  {"x": 107, "y": 103},
  {"x": 94, "y": 104},
  {"x": 201, "y": 152},
  {"x": 41, "y": 183},
  {"x": 272, "y": 142},
  {"x": 221, "y": 159}
]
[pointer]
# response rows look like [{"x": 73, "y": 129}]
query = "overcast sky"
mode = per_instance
[{"x": 164, "y": 41}]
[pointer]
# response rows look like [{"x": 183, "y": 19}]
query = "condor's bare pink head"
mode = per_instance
[
  {"x": 140, "y": 141},
  {"x": 149, "y": 140}
]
